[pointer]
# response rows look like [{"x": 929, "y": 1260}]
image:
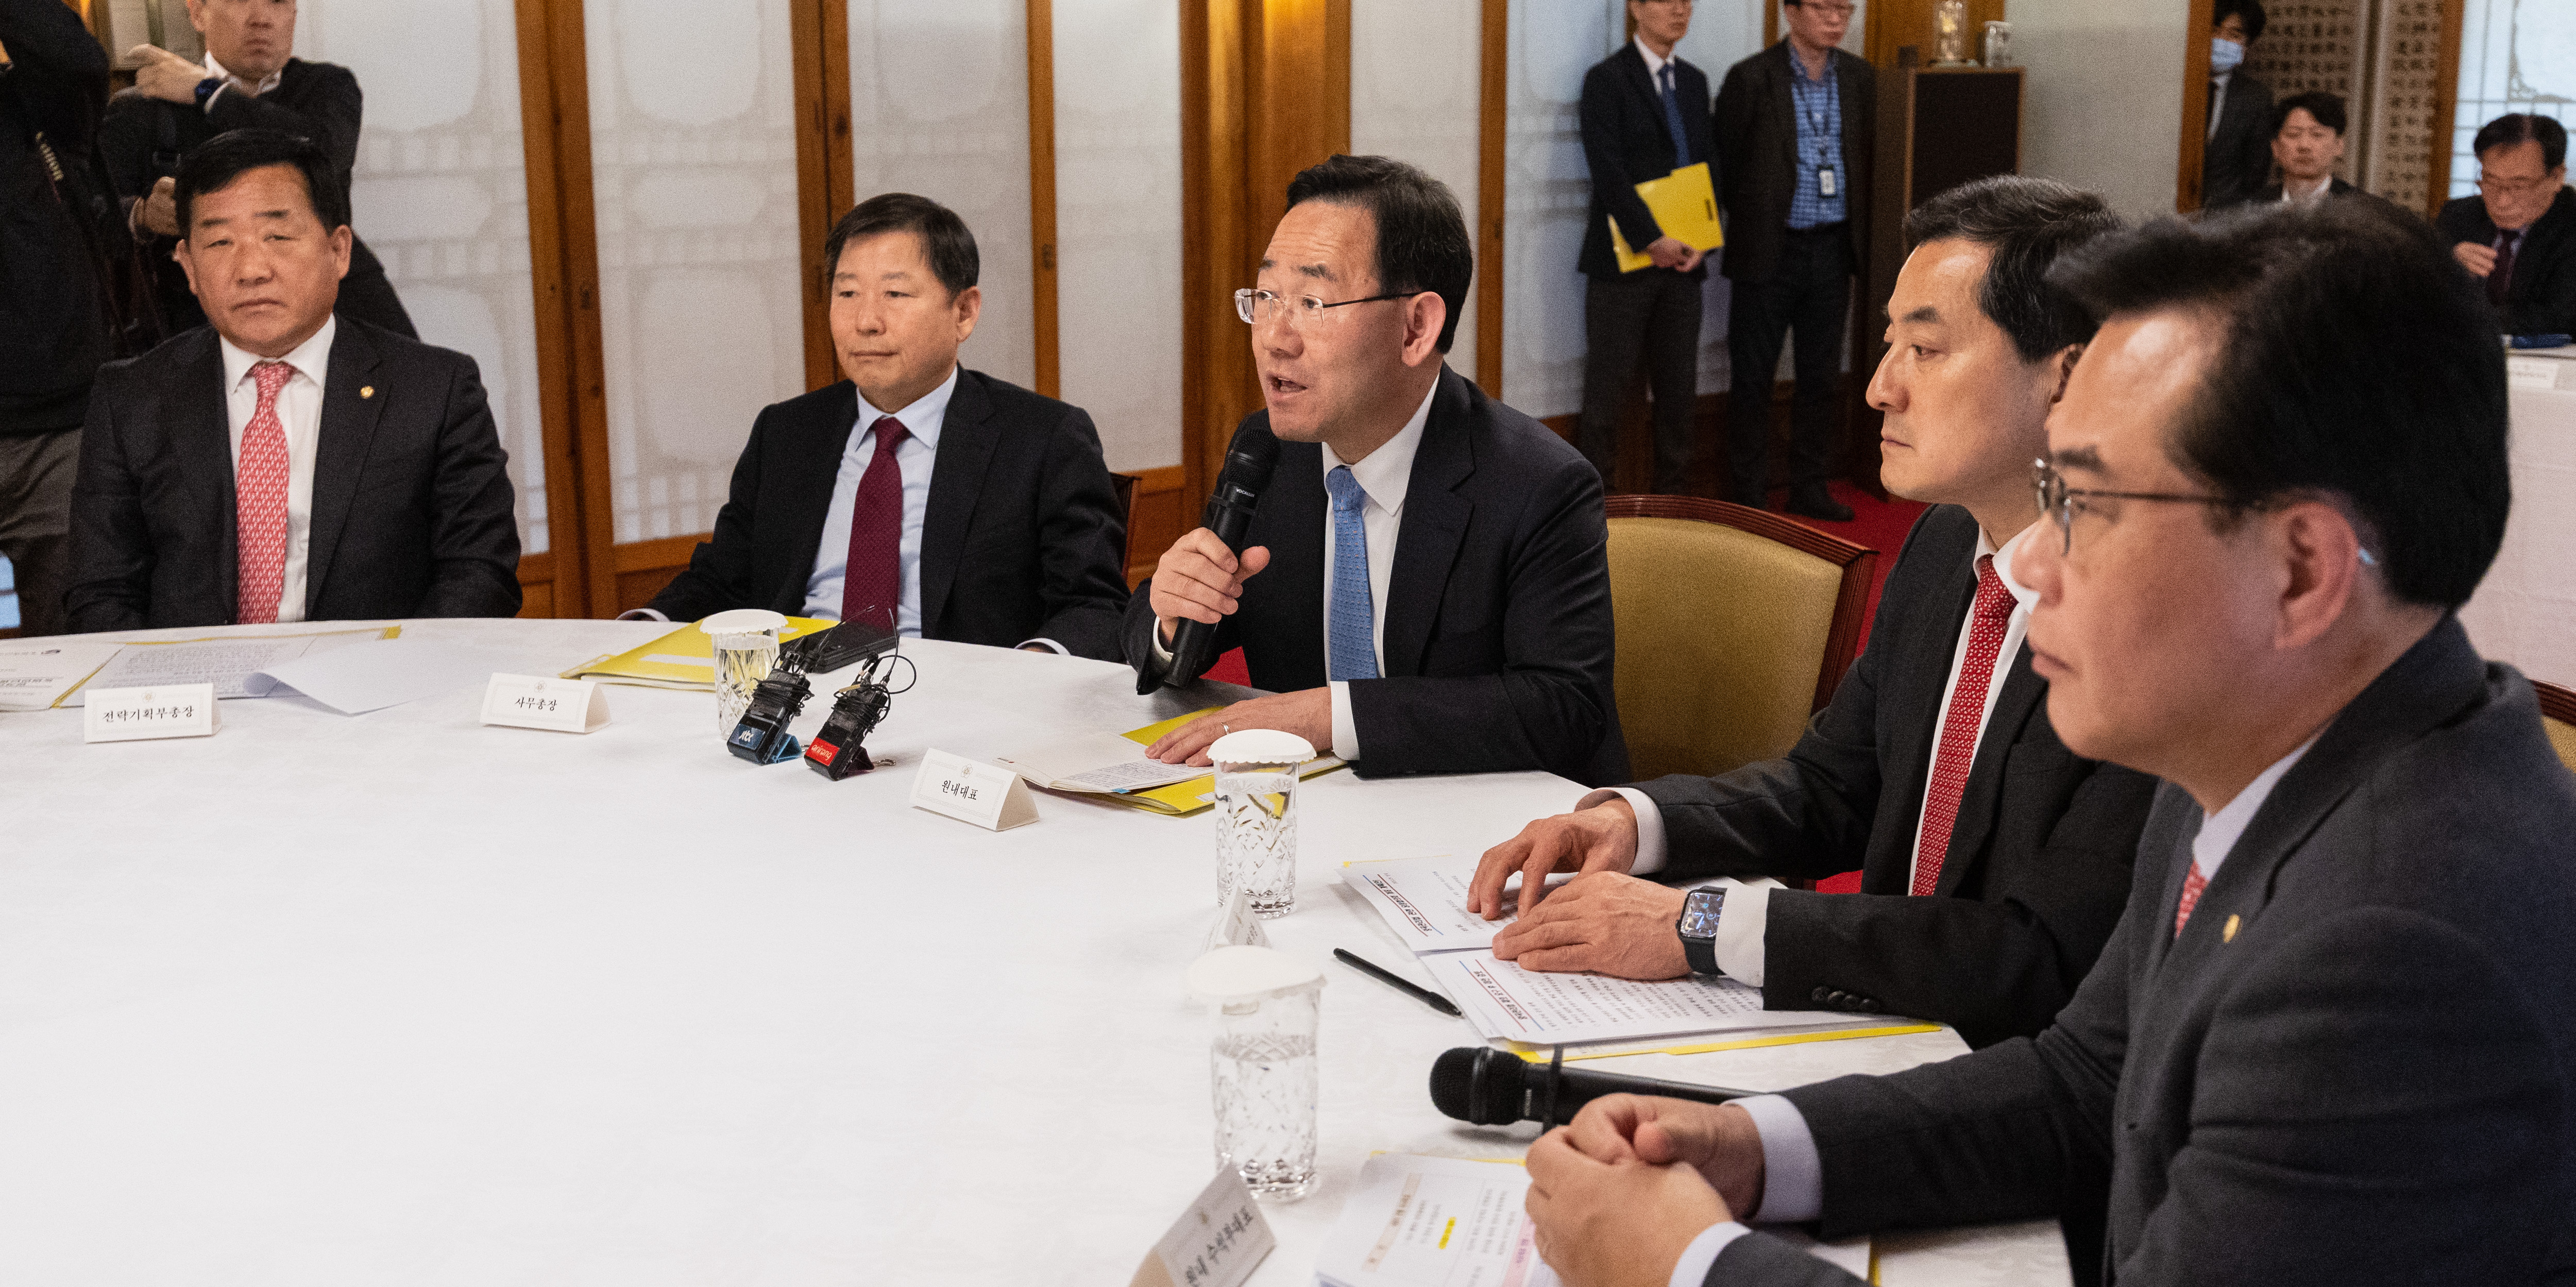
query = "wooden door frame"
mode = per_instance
[
  {"x": 2446, "y": 106},
  {"x": 2195, "y": 109},
  {"x": 1493, "y": 111}
]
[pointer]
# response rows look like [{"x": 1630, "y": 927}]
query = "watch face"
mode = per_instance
[{"x": 1699, "y": 913}]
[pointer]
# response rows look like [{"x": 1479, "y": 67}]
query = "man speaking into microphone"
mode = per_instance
[{"x": 1424, "y": 584}]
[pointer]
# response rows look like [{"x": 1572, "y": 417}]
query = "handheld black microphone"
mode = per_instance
[
  {"x": 1494, "y": 1088},
  {"x": 1229, "y": 515}
]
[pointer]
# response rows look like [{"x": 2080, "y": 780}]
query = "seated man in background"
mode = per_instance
[
  {"x": 1453, "y": 616},
  {"x": 250, "y": 79},
  {"x": 964, "y": 507},
  {"x": 2329, "y": 1043},
  {"x": 2307, "y": 140},
  {"x": 2518, "y": 235},
  {"x": 1993, "y": 861},
  {"x": 283, "y": 464}
]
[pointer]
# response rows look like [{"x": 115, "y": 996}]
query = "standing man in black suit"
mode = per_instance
[
  {"x": 2329, "y": 1043},
  {"x": 2518, "y": 235},
  {"x": 1934, "y": 770},
  {"x": 1645, "y": 115},
  {"x": 2236, "y": 159},
  {"x": 283, "y": 464},
  {"x": 964, "y": 507},
  {"x": 1426, "y": 583},
  {"x": 250, "y": 79},
  {"x": 1794, "y": 124}
]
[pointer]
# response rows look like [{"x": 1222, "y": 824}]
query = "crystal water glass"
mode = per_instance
[
  {"x": 1262, "y": 1066},
  {"x": 1256, "y": 835},
  {"x": 743, "y": 658}
]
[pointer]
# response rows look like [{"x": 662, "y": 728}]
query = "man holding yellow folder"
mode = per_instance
[{"x": 1645, "y": 115}]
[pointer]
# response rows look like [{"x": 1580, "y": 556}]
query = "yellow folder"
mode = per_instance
[
  {"x": 684, "y": 658},
  {"x": 1181, "y": 799},
  {"x": 1684, "y": 204}
]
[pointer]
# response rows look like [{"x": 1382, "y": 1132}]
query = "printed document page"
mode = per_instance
[
  {"x": 1434, "y": 1222},
  {"x": 1102, "y": 764},
  {"x": 1503, "y": 1000},
  {"x": 35, "y": 673},
  {"x": 1425, "y": 899},
  {"x": 226, "y": 663}
]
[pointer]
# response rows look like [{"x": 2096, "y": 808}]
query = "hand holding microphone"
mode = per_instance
[{"x": 1200, "y": 580}]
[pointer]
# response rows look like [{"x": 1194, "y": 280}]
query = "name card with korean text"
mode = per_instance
[
  {"x": 1218, "y": 1242},
  {"x": 990, "y": 797},
  {"x": 135, "y": 714},
  {"x": 555, "y": 705}
]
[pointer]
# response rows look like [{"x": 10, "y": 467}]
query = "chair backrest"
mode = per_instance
[
  {"x": 1126, "y": 487},
  {"x": 1734, "y": 625},
  {"x": 2558, "y": 716}
]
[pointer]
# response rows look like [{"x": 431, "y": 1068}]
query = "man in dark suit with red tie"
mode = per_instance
[
  {"x": 1994, "y": 861},
  {"x": 916, "y": 492},
  {"x": 1645, "y": 114},
  {"x": 284, "y": 464}
]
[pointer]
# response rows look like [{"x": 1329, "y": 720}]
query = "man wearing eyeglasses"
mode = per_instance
[
  {"x": 1425, "y": 585},
  {"x": 2329, "y": 1043},
  {"x": 1794, "y": 125},
  {"x": 2518, "y": 235},
  {"x": 1645, "y": 115},
  {"x": 1993, "y": 862}
]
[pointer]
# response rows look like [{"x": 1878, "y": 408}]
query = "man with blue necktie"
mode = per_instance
[
  {"x": 1425, "y": 584},
  {"x": 1645, "y": 114}
]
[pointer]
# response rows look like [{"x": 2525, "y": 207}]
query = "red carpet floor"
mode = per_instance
[{"x": 1879, "y": 524}]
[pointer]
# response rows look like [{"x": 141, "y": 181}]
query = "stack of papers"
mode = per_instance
[
  {"x": 1112, "y": 766},
  {"x": 36, "y": 674},
  {"x": 230, "y": 663},
  {"x": 683, "y": 659},
  {"x": 1425, "y": 900},
  {"x": 1419, "y": 1221}
]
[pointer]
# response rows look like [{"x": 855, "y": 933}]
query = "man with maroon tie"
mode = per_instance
[
  {"x": 1993, "y": 860},
  {"x": 282, "y": 464},
  {"x": 917, "y": 493}
]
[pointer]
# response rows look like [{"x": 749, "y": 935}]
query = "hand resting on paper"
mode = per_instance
[
  {"x": 1308, "y": 714},
  {"x": 1601, "y": 838},
  {"x": 1617, "y": 1194},
  {"x": 1603, "y": 922}
]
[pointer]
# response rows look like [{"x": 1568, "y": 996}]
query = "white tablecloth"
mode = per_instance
[
  {"x": 2525, "y": 610},
  {"x": 400, "y": 999}
]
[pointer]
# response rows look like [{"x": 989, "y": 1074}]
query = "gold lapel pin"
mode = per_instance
[
  {"x": 2228, "y": 935},
  {"x": 366, "y": 391}
]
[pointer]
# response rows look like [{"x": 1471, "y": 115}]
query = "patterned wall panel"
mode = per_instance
[
  {"x": 2310, "y": 45},
  {"x": 2406, "y": 125}
]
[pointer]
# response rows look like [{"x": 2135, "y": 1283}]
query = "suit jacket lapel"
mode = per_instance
[
  {"x": 2020, "y": 699},
  {"x": 966, "y": 442},
  {"x": 201, "y": 435},
  {"x": 347, "y": 432},
  {"x": 814, "y": 467},
  {"x": 1632, "y": 69},
  {"x": 1435, "y": 521}
]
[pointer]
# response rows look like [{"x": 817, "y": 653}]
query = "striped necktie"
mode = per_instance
[{"x": 1353, "y": 637}]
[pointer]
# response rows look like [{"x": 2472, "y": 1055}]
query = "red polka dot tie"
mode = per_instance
[
  {"x": 2191, "y": 887},
  {"x": 1990, "y": 616},
  {"x": 259, "y": 479}
]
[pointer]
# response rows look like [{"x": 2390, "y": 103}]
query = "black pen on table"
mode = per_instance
[{"x": 1424, "y": 995}]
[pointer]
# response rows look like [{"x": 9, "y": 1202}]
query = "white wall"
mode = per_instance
[
  {"x": 2104, "y": 96},
  {"x": 1118, "y": 223},
  {"x": 1416, "y": 96}
]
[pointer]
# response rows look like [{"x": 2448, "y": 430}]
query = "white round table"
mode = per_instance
[{"x": 402, "y": 999}]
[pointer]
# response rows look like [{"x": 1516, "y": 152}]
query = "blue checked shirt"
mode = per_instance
[{"x": 1819, "y": 108}]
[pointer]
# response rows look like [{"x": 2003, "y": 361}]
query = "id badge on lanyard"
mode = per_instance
[{"x": 1824, "y": 180}]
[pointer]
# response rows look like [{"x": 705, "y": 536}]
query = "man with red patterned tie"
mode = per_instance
[
  {"x": 917, "y": 493},
  {"x": 282, "y": 464},
  {"x": 1993, "y": 860}
]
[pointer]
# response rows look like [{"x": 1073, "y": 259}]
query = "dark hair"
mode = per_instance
[
  {"x": 2026, "y": 224},
  {"x": 2518, "y": 128},
  {"x": 2357, "y": 363},
  {"x": 2327, "y": 108},
  {"x": 2250, "y": 10},
  {"x": 944, "y": 238},
  {"x": 218, "y": 161},
  {"x": 1421, "y": 238}
]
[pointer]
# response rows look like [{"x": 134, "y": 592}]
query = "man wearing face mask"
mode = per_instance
[
  {"x": 2237, "y": 159},
  {"x": 2518, "y": 235}
]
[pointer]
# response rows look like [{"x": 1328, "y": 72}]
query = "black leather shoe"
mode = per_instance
[{"x": 1816, "y": 502}]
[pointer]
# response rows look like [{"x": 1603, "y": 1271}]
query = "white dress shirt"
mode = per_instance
[
  {"x": 1383, "y": 477},
  {"x": 914, "y": 458},
  {"x": 1793, "y": 1180},
  {"x": 2291, "y": 196},
  {"x": 214, "y": 68},
  {"x": 1740, "y": 925},
  {"x": 1654, "y": 63},
  {"x": 299, "y": 413}
]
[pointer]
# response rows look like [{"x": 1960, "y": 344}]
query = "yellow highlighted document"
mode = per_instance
[{"x": 684, "y": 658}]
